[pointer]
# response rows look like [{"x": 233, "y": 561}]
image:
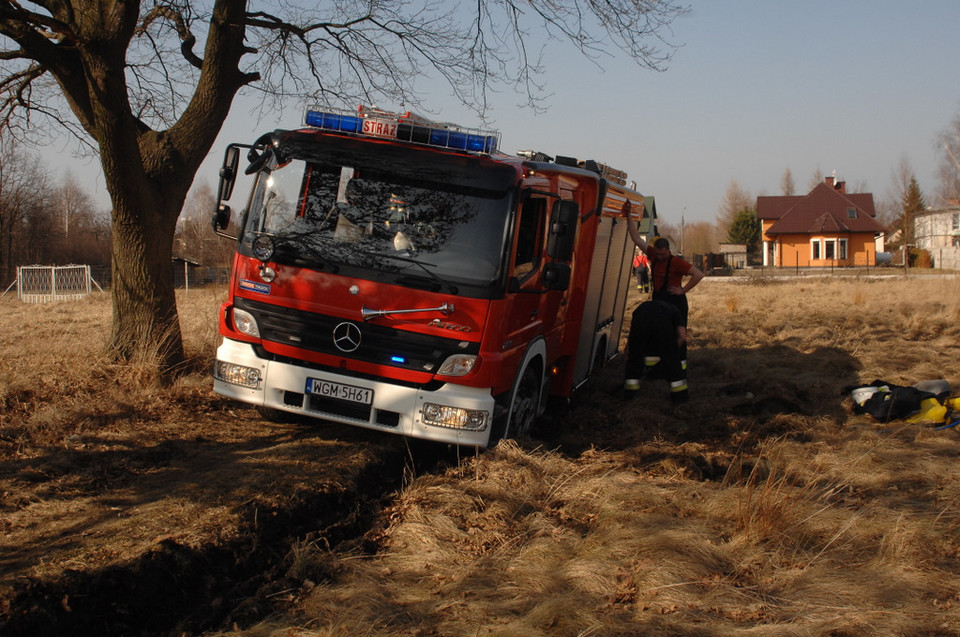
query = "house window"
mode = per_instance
[
  {"x": 851, "y": 213},
  {"x": 832, "y": 249},
  {"x": 955, "y": 240}
]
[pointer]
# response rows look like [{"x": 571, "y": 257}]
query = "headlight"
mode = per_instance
[
  {"x": 454, "y": 417},
  {"x": 245, "y": 323},
  {"x": 237, "y": 374},
  {"x": 458, "y": 365},
  {"x": 263, "y": 247}
]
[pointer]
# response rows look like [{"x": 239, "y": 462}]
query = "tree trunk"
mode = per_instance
[{"x": 146, "y": 327}]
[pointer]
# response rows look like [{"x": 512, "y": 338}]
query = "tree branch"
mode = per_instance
[{"x": 187, "y": 39}]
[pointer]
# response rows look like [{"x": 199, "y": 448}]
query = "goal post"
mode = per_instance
[{"x": 45, "y": 283}]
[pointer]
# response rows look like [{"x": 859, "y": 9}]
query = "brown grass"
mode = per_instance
[
  {"x": 765, "y": 506},
  {"x": 56, "y": 380}
]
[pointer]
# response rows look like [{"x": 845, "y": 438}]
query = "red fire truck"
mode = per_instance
[{"x": 406, "y": 276}]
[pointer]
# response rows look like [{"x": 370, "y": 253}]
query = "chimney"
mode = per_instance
[{"x": 840, "y": 186}]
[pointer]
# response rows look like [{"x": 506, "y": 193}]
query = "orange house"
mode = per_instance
[{"x": 824, "y": 228}]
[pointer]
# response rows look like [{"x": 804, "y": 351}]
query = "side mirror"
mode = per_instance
[
  {"x": 563, "y": 230},
  {"x": 221, "y": 218},
  {"x": 259, "y": 153},
  {"x": 228, "y": 172},
  {"x": 556, "y": 276}
]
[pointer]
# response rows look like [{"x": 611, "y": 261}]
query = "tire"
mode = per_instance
[{"x": 524, "y": 405}]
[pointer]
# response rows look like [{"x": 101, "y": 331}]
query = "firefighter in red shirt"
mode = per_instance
[
  {"x": 641, "y": 267},
  {"x": 667, "y": 274}
]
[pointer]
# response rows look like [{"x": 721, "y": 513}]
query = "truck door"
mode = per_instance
[{"x": 524, "y": 316}]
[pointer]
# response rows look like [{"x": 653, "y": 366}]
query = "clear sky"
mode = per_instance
[{"x": 756, "y": 87}]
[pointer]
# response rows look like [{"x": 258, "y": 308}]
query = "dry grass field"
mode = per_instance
[{"x": 764, "y": 506}]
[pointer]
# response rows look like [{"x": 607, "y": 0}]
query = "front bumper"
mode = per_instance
[{"x": 394, "y": 408}]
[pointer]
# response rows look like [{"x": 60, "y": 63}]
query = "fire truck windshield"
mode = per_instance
[{"x": 375, "y": 222}]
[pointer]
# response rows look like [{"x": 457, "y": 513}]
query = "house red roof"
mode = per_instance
[{"x": 824, "y": 210}]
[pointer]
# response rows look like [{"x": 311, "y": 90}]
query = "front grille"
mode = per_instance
[{"x": 379, "y": 344}]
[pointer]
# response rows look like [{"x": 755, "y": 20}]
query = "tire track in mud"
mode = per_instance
[{"x": 175, "y": 589}]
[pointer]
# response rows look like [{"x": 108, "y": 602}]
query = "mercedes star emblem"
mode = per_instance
[{"x": 346, "y": 337}]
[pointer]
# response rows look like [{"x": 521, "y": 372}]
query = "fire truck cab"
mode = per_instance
[{"x": 406, "y": 276}]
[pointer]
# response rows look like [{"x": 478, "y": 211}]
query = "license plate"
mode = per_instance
[
  {"x": 379, "y": 127},
  {"x": 340, "y": 391}
]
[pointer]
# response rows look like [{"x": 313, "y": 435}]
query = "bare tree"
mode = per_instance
[
  {"x": 699, "y": 237},
  {"x": 859, "y": 185},
  {"x": 890, "y": 206},
  {"x": 193, "y": 240},
  {"x": 71, "y": 202},
  {"x": 787, "y": 187},
  {"x": 735, "y": 199},
  {"x": 815, "y": 179},
  {"x": 948, "y": 189},
  {"x": 83, "y": 232},
  {"x": 131, "y": 79},
  {"x": 23, "y": 187}
]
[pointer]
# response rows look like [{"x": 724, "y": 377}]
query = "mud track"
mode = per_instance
[{"x": 189, "y": 530}]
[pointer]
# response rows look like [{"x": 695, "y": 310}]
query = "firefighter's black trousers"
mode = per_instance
[{"x": 653, "y": 351}]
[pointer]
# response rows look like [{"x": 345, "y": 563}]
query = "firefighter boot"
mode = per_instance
[
  {"x": 679, "y": 392},
  {"x": 631, "y": 387}
]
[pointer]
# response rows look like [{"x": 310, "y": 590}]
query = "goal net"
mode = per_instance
[{"x": 45, "y": 283}]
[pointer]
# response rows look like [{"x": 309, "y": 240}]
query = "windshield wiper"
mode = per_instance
[
  {"x": 436, "y": 279},
  {"x": 291, "y": 253}
]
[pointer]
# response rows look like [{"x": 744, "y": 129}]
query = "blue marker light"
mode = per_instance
[{"x": 398, "y": 359}]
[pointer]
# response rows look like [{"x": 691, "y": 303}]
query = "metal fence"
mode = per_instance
[{"x": 45, "y": 283}]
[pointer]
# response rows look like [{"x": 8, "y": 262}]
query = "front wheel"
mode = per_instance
[
  {"x": 517, "y": 411},
  {"x": 523, "y": 407}
]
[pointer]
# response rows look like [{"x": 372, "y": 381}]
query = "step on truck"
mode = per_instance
[{"x": 406, "y": 276}]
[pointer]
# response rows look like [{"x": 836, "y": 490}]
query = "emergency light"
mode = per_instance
[{"x": 404, "y": 127}]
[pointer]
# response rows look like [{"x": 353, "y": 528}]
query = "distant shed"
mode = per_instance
[{"x": 734, "y": 255}]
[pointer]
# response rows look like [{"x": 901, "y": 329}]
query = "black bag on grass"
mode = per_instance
[{"x": 892, "y": 402}]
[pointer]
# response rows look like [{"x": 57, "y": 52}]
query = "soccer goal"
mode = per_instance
[{"x": 45, "y": 283}]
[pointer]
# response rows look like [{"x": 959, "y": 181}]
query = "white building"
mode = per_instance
[{"x": 938, "y": 232}]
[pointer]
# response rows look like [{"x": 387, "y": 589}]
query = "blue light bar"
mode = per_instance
[
  {"x": 334, "y": 121},
  {"x": 398, "y": 359},
  {"x": 404, "y": 129},
  {"x": 463, "y": 141}
]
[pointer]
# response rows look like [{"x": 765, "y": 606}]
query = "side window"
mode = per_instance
[{"x": 529, "y": 237}]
